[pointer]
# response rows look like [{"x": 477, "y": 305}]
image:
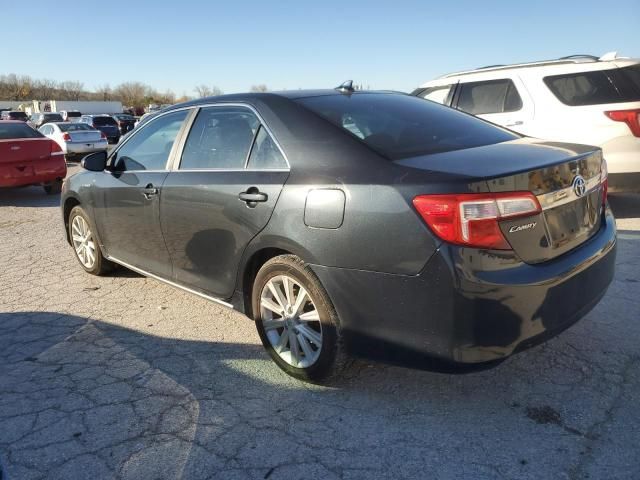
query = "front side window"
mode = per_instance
[
  {"x": 494, "y": 96},
  {"x": 402, "y": 126},
  {"x": 265, "y": 154},
  {"x": 597, "y": 87},
  {"x": 220, "y": 138},
  {"x": 149, "y": 149}
]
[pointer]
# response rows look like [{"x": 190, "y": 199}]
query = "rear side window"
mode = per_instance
[
  {"x": 438, "y": 94},
  {"x": 402, "y": 126},
  {"x": 219, "y": 139},
  {"x": 495, "y": 96},
  {"x": 103, "y": 121},
  {"x": 600, "y": 87},
  {"x": 265, "y": 154},
  {"x": 9, "y": 131}
]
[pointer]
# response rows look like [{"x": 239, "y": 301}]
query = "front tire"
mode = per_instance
[
  {"x": 85, "y": 243},
  {"x": 296, "y": 320}
]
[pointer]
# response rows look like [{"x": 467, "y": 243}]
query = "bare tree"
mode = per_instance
[
  {"x": 73, "y": 89},
  {"x": 104, "y": 92},
  {"x": 259, "y": 88},
  {"x": 132, "y": 94},
  {"x": 206, "y": 91},
  {"x": 17, "y": 87},
  {"x": 44, "y": 89}
]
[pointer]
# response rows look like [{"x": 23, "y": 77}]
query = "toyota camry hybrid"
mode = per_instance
[{"x": 345, "y": 222}]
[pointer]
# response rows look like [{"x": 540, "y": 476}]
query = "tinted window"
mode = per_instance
[
  {"x": 102, "y": 121},
  {"x": 495, "y": 96},
  {"x": 74, "y": 127},
  {"x": 52, "y": 117},
  {"x": 599, "y": 87},
  {"x": 18, "y": 116},
  {"x": 73, "y": 114},
  {"x": 401, "y": 126},
  {"x": 17, "y": 130},
  {"x": 265, "y": 153},
  {"x": 124, "y": 117},
  {"x": 220, "y": 138},
  {"x": 437, "y": 94},
  {"x": 149, "y": 149}
]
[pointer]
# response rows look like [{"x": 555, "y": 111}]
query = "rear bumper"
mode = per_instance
[
  {"x": 75, "y": 148},
  {"x": 469, "y": 305},
  {"x": 624, "y": 182},
  {"x": 33, "y": 173}
]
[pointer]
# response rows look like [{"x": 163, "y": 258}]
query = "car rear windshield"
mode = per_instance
[
  {"x": 18, "y": 116},
  {"x": 600, "y": 87},
  {"x": 53, "y": 117},
  {"x": 73, "y": 114},
  {"x": 102, "y": 121},
  {"x": 9, "y": 131},
  {"x": 401, "y": 126},
  {"x": 74, "y": 127},
  {"x": 124, "y": 117}
]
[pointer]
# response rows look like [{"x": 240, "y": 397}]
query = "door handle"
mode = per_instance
[
  {"x": 514, "y": 123},
  {"x": 252, "y": 196},
  {"x": 149, "y": 191}
]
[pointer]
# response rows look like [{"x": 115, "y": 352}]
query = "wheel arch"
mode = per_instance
[{"x": 69, "y": 204}]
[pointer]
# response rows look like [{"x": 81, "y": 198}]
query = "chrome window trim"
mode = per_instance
[
  {"x": 168, "y": 282},
  {"x": 566, "y": 195},
  {"x": 262, "y": 123},
  {"x": 204, "y": 170}
]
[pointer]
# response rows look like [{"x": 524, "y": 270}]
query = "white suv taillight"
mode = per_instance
[
  {"x": 472, "y": 219},
  {"x": 630, "y": 117}
]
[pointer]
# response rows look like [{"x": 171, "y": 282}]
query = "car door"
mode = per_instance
[
  {"x": 127, "y": 195},
  {"x": 502, "y": 101},
  {"x": 220, "y": 194}
]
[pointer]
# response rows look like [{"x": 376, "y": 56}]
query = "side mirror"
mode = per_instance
[{"x": 95, "y": 162}]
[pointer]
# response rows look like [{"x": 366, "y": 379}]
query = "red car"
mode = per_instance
[{"x": 29, "y": 158}]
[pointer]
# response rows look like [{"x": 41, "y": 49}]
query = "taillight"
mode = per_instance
[
  {"x": 55, "y": 149},
  {"x": 604, "y": 181},
  {"x": 630, "y": 117},
  {"x": 102, "y": 135},
  {"x": 66, "y": 137},
  {"x": 473, "y": 219}
]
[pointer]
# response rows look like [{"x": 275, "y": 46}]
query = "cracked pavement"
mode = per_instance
[{"x": 125, "y": 377}]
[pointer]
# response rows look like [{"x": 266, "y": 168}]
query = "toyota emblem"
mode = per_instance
[{"x": 579, "y": 185}]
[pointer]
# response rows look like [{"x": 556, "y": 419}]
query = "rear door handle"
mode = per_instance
[
  {"x": 252, "y": 196},
  {"x": 514, "y": 123},
  {"x": 149, "y": 191}
]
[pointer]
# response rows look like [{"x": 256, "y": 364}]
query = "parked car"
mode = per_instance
[
  {"x": 143, "y": 118},
  {"x": 126, "y": 122},
  {"x": 39, "y": 119},
  {"x": 579, "y": 99},
  {"x": 14, "y": 115},
  {"x": 106, "y": 124},
  {"x": 345, "y": 221},
  {"x": 29, "y": 158},
  {"x": 75, "y": 139},
  {"x": 71, "y": 115}
]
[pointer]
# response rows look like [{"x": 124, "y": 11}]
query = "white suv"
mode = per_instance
[{"x": 577, "y": 99}]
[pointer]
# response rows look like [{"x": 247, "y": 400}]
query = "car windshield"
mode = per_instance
[
  {"x": 73, "y": 127},
  {"x": 400, "y": 126},
  {"x": 17, "y": 130},
  {"x": 597, "y": 87},
  {"x": 103, "y": 121}
]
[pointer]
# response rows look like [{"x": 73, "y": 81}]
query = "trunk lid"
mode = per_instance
[
  {"x": 82, "y": 136},
  {"x": 565, "y": 178},
  {"x": 24, "y": 151}
]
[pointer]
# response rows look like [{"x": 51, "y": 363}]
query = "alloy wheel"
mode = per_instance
[
  {"x": 291, "y": 321},
  {"x": 83, "y": 242}
]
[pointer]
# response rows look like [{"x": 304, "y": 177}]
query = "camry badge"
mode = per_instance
[
  {"x": 519, "y": 228},
  {"x": 579, "y": 185}
]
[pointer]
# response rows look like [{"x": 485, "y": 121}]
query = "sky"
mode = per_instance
[{"x": 299, "y": 44}]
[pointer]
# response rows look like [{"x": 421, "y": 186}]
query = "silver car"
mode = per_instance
[{"x": 75, "y": 139}]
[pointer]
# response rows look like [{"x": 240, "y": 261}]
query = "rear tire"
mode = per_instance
[
  {"x": 86, "y": 244},
  {"x": 53, "y": 188},
  {"x": 304, "y": 315}
]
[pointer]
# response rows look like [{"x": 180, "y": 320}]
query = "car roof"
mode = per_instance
[{"x": 12, "y": 121}]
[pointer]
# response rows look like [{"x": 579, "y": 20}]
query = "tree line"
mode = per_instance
[{"x": 132, "y": 94}]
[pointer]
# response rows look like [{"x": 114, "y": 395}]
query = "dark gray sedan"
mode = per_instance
[{"x": 353, "y": 222}]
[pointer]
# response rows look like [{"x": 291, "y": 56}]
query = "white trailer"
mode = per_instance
[{"x": 85, "y": 107}]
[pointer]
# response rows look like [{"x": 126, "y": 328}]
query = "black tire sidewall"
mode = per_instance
[{"x": 328, "y": 319}]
